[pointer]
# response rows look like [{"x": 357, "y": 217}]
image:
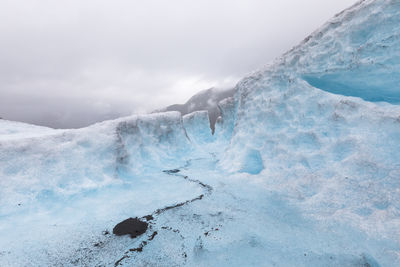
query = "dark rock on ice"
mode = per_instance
[{"x": 132, "y": 226}]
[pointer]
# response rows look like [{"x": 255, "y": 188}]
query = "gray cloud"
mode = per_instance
[{"x": 72, "y": 63}]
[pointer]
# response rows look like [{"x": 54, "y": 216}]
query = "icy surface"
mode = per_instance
[
  {"x": 336, "y": 157},
  {"x": 225, "y": 123},
  {"x": 303, "y": 168},
  {"x": 16, "y": 130},
  {"x": 197, "y": 127}
]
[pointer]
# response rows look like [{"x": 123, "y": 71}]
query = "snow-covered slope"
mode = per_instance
[{"x": 303, "y": 168}]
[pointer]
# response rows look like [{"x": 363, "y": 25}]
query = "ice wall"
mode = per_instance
[
  {"x": 153, "y": 140},
  {"x": 337, "y": 154},
  {"x": 225, "y": 123},
  {"x": 197, "y": 127},
  {"x": 72, "y": 160}
]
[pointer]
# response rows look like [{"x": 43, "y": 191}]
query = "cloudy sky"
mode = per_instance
[{"x": 70, "y": 63}]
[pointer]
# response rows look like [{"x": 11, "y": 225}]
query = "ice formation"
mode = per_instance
[
  {"x": 197, "y": 126},
  {"x": 204, "y": 100},
  {"x": 303, "y": 168}
]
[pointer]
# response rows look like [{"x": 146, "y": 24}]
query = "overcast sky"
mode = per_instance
[{"x": 69, "y": 63}]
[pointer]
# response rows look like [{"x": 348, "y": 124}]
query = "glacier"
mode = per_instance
[{"x": 303, "y": 168}]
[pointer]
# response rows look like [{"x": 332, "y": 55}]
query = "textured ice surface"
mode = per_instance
[
  {"x": 225, "y": 123},
  {"x": 357, "y": 53},
  {"x": 303, "y": 168},
  {"x": 336, "y": 157}
]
